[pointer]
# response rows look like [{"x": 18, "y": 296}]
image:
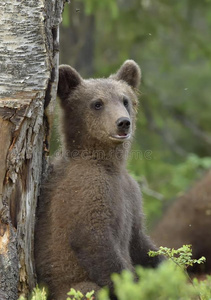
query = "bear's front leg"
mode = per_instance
[
  {"x": 140, "y": 245},
  {"x": 97, "y": 250}
]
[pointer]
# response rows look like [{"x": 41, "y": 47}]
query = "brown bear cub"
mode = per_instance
[{"x": 89, "y": 217}]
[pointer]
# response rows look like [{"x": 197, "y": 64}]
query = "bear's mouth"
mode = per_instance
[{"x": 122, "y": 136}]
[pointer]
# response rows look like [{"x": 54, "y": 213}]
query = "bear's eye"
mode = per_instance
[
  {"x": 97, "y": 105},
  {"x": 125, "y": 102}
]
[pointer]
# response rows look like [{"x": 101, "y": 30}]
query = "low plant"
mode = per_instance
[
  {"x": 169, "y": 281},
  {"x": 77, "y": 295},
  {"x": 181, "y": 256},
  {"x": 37, "y": 294}
]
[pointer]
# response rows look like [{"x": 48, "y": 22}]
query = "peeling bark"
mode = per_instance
[{"x": 28, "y": 82}]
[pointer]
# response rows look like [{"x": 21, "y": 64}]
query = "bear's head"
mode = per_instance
[{"x": 98, "y": 114}]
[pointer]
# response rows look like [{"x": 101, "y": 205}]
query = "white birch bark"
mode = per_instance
[{"x": 28, "y": 81}]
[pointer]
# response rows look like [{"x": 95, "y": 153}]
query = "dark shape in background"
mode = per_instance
[{"x": 188, "y": 221}]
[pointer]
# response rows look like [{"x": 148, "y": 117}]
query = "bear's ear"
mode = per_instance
[
  {"x": 69, "y": 79},
  {"x": 129, "y": 72}
]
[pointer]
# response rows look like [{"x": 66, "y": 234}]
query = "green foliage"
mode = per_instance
[
  {"x": 74, "y": 295},
  {"x": 37, "y": 294},
  {"x": 182, "y": 256},
  {"x": 66, "y": 16},
  {"x": 94, "y": 6},
  {"x": 168, "y": 282},
  {"x": 185, "y": 172},
  {"x": 204, "y": 288},
  {"x": 77, "y": 295},
  {"x": 40, "y": 294},
  {"x": 167, "y": 179}
]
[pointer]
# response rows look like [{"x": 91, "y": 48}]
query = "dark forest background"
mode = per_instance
[{"x": 170, "y": 40}]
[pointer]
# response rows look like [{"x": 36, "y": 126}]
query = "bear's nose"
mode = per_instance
[{"x": 123, "y": 123}]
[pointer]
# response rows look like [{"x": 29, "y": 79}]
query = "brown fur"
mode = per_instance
[
  {"x": 90, "y": 221},
  {"x": 188, "y": 221}
]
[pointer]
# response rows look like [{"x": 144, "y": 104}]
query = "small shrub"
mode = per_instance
[
  {"x": 203, "y": 287},
  {"x": 182, "y": 256},
  {"x": 168, "y": 282},
  {"x": 77, "y": 295},
  {"x": 37, "y": 294}
]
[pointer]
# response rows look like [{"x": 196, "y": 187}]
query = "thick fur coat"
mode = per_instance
[{"x": 89, "y": 216}]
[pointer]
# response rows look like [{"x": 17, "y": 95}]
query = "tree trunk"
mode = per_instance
[{"x": 28, "y": 82}]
